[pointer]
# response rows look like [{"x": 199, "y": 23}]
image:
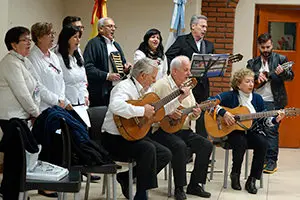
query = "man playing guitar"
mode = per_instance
[{"x": 180, "y": 140}]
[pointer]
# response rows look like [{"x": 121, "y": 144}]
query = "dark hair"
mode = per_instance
[
  {"x": 144, "y": 47},
  {"x": 263, "y": 38},
  {"x": 13, "y": 35},
  {"x": 69, "y": 20},
  {"x": 63, "y": 45}
]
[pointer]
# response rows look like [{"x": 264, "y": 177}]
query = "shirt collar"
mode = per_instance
[
  {"x": 38, "y": 50},
  {"x": 172, "y": 82},
  {"x": 14, "y": 53},
  {"x": 108, "y": 41}
]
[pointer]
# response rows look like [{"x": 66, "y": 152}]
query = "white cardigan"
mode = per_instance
[{"x": 18, "y": 89}]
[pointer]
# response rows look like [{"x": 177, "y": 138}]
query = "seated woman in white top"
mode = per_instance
[
  {"x": 19, "y": 93},
  {"x": 72, "y": 66},
  {"x": 152, "y": 48},
  {"x": 47, "y": 67}
]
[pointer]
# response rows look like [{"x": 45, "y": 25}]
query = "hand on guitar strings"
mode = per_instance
[
  {"x": 176, "y": 114},
  {"x": 262, "y": 77},
  {"x": 279, "y": 69},
  {"x": 229, "y": 118},
  {"x": 197, "y": 111},
  {"x": 149, "y": 111},
  {"x": 185, "y": 91},
  {"x": 280, "y": 116}
]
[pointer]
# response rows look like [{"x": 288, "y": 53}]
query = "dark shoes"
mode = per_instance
[
  {"x": 46, "y": 194},
  {"x": 250, "y": 185},
  {"x": 93, "y": 177},
  {"x": 235, "y": 181},
  {"x": 197, "y": 190},
  {"x": 179, "y": 194},
  {"x": 270, "y": 167},
  {"x": 124, "y": 182}
]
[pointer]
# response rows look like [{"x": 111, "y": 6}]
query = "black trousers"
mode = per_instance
[
  {"x": 200, "y": 125},
  {"x": 239, "y": 141},
  {"x": 150, "y": 157},
  {"x": 178, "y": 143}
]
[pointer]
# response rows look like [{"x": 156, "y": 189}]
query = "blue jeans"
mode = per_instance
[{"x": 272, "y": 136}]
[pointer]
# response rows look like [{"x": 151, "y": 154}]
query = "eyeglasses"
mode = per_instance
[
  {"x": 25, "y": 40},
  {"x": 110, "y": 26},
  {"x": 52, "y": 34},
  {"x": 80, "y": 27}
]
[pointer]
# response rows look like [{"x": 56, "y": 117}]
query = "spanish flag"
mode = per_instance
[{"x": 99, "y": 11}]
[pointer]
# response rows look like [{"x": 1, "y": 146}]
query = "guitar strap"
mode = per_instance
[{"x": 139, "y": 91}]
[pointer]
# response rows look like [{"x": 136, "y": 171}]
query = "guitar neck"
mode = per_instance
[
  {"x": 244, "y": 117},
  {"x": 202, "y": 106},
  {"x": 166, "y": 99}
]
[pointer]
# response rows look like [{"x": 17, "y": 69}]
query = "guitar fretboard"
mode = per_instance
[
  {"x": 166, "y": 99},
  {"x": 244, "y": 117}
]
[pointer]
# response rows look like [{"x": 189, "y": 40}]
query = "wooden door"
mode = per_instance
[{"x": 283, "y": 23}]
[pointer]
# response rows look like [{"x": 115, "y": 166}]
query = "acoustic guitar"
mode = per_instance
[
  {"x": 137, "y": 128},
  {"x": 217, "y": 127},
  {"x": 170, "y": 125},
  {"x": 286, "y": 66}
]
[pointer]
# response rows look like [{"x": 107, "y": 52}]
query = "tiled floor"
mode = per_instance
[{"x": 284, "y": 184}]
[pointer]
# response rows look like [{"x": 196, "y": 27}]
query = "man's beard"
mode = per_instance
[{"x": 265, "y": 54}]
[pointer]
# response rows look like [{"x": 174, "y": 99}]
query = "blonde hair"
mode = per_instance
[
  {"x": 40, "y": 29},
  {"x": 238, "y": 76}
]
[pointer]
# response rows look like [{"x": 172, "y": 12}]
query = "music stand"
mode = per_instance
[{"x": 209, "y": 65}]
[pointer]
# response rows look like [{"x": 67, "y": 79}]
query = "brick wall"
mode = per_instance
[{"x": 220, "y": 31}]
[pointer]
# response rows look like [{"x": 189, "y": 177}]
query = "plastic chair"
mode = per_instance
[
  {"x": 69, "y": 184},
  {"x": 97, "y": 115}
]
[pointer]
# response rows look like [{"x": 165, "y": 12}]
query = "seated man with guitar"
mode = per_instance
[
  {"x": 242, "y": 95},
  {"x": 150, "y": 156},
  {"x": 184, "y": 137},
  {"x": 271, "y": 71}
]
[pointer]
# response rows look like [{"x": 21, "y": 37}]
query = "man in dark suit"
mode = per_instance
[
  {"x": 101, "y": 73},
  {"x": 194, "y": 42}
]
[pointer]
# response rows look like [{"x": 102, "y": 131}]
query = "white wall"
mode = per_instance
[
  {"x": 133, "y": 18},
  {"x": 27, "y": 12},
  {"x": 244, "y": 27}
]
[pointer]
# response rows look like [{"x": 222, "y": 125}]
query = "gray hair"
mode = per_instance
[
  {"x": 102, "y": 21},
  {"x": 195, "y": 19},
  {"x": 144, "y": 65},
  {"x": 178, "y": 61}
]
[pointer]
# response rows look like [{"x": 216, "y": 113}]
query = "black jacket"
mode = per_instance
[
  {"x": 96, "y": 65},
  {"x": 277, "y": 81},
  {"x": 186, "y": 45}
]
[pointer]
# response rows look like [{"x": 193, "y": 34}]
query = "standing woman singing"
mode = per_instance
[
  {"x": 152, "y": 48},
  {"x": 72, "y": 66}
]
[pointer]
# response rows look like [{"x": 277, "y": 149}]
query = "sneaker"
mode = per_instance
[{"x": 271, "y": 167}]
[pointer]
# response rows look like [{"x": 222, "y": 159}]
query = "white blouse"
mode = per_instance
[
  {"x": 75, "y": 81},
  {"x": 50, "y": 75},
  {"x": 162, "y": 65}
]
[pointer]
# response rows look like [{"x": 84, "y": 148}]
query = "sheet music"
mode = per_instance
[{"x": 82, "y": 112}]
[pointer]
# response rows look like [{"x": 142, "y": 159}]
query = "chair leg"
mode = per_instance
[
  {"x": 262, "y": 180},
  {"x": 87, "y": 186},
  {"x": 166, "y": 173},
  {"x": 22, "y": 195},
  {"x": 226, "y": 168},
  {"x": 212, "y": 164},
  {"x": 114, "y": 185},
  {"x": 170, "y": 180},
  {"x": 104, "y": 184},
  {"x": 77, "y": 195},
  {"x": 246, "y": 163},
  {"x": 108, "y": 189},
  {"x": 130, "y": 167},
  {"x": 61, "y": 196}
]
